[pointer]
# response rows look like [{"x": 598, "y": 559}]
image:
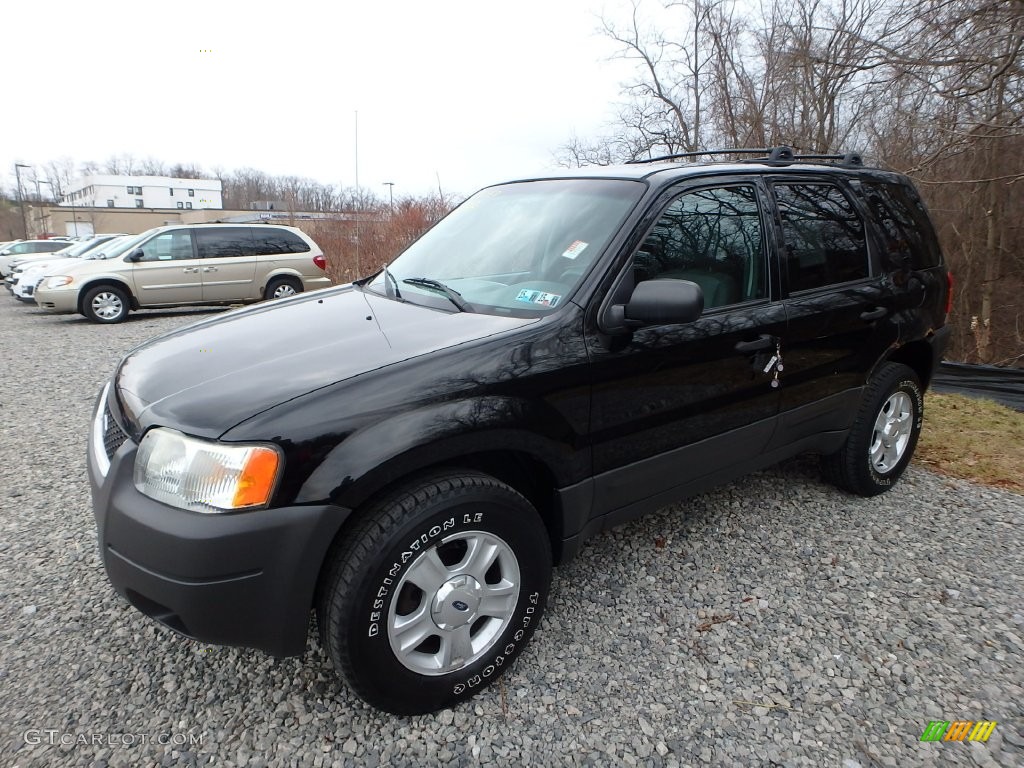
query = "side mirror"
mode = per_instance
[
  {"x": 659, "y": 302},
  {"x": 136, "y": 255}
]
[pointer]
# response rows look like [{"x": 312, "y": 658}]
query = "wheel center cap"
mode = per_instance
[{"x": 455, "y": 602}]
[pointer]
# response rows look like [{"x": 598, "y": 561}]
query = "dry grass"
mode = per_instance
[
  {"x": 354, "y": 251},
  {"x": 972, "y": 439}
]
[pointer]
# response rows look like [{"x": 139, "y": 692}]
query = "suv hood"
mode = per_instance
[{"x": 210, "y": 376}]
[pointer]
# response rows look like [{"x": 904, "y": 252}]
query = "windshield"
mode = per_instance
[
  {"x": 516, "y": 249},
  {"x": 116, "y": 247},
  {"x": 80, "y": 248}
]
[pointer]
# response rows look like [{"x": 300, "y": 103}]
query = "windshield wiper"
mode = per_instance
[
  {"x": 389, "y": 281},
  {"x": 454, "y": 296}
]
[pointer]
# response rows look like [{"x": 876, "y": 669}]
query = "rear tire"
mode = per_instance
[
  {"x": 884, "y": 434},
  {"x": 106, "y": 304},
  {"x": 282, "y": 288},
  {"x": 434, "y": 591}
]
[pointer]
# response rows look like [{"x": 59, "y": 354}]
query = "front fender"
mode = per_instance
[{"x": 380, "y": 453}]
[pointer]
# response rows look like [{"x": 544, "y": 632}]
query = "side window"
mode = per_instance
[
  {"x": 224, "y": 242},
  {"x": 909, "y": 237},
  {"x": 825, "y": 241},
  {"x": 271, "y": 241},
  {"x": 168, "y": 246},
  {"x": 712, "y": 237}
]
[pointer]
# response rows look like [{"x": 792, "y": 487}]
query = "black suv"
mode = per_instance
[{"x": 555, "y": 357}]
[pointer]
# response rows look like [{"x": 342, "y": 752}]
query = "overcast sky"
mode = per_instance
[{"x": 472, "y": 92}]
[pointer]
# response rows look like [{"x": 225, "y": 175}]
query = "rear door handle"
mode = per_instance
[
  {"x": 874, "y": 314},
  {"x": 190, "y": 270},
  {"x": 764, "y": 341},
  {"x": 209, "y": 269}
]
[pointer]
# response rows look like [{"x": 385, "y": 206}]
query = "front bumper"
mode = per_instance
[
  {"x": 244, "y": 579},
  {"x": 62, "y": 300}
]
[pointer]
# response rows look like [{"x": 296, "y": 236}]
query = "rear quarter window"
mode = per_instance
[
  {"x": 904, "y": 225},
  {"x": 271, "y": 241}
]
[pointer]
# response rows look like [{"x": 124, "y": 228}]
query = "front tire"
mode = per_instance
[
  {"x": 434, "y": 591},
  {"x": 884, "y": 434},
  {"x": 106, "y": 304}
]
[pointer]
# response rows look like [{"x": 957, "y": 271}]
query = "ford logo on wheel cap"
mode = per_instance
[{"x": 459, "y": 605}]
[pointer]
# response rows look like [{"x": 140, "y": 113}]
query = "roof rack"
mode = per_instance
[
  {"x": 700, "y": 153},
  {"x": 774, "y": 155}
]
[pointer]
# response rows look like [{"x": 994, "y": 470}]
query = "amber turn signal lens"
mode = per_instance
[{"x": 256, "y": 481}]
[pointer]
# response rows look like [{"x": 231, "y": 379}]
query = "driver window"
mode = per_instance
[
  {"x": 712, "y": 237},
  {"x": 169, "y": 246}
]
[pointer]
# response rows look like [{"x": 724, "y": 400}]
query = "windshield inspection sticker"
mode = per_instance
[
  {"x": 575, "y": 249},
  {"x": 539, "y": 297}
]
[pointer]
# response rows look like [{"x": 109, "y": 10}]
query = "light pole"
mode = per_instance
[
  {"x": 53, "y": 194},
  {"x": 21, "y": 197},
  {"x": 391, "y": 195}
]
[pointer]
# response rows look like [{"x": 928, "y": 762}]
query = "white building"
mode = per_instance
[{"x": 143, "y": 192}]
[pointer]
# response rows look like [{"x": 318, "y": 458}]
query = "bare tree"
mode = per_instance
[
  {"x": 934, "y": 88},
  {"x": 151, "y": 166}
]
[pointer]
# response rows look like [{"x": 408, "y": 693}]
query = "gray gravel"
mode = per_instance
[{"x": 775, "y": 621}]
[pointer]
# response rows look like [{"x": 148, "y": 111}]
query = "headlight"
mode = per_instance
[
  {"x": 59, "y": 281},
  {"x": 202, "y": 475}
]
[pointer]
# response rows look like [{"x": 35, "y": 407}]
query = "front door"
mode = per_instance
[
  {"x": 168, "y": 271},
  {"x": 676, "y": 403}
]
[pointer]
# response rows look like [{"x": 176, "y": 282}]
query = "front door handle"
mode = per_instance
[
  {"x": 190, "y": 270},
  {"x": 764, "y": 341},
  {"x": 874, "y": 314}
]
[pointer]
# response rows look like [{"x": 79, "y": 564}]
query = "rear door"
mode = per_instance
[
  {"x": 228, "y": 263},
  {"x": 168, "y": 271},
  {"x": 838, "y": 305}
]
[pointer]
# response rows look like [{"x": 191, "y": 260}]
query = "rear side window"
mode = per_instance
[
  {"x": 824, "y": 237},
  {"x": 271, "y": 240},
  {"x": 224, "y": 242},
  {"x": 910, "y": 239}
]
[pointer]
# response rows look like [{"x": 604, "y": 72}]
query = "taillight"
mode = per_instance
[
  {"x": 949, "y": 293},
  {"x": 320, "y": 261}
]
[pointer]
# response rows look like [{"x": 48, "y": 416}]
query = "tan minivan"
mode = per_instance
[{"x": 187, "y": 264}]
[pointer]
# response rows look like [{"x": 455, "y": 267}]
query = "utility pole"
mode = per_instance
[
  {"x": 53, "y": 194},
  {"x": 21, "y": 197},
  {"x": 359, "y": 270},
  {"x": 391, "y": 195}
]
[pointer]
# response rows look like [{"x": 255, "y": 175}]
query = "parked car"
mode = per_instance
[
  {"x": 192, "y": 264},
  {"x": 407, "y": 456},
  {"x": 71, "y": 250},
  {"x": 68, "y": 255},
  {"x": 26, "y": 247},
  {"x": 113, "y": 248},
  {"x": 25, "y": 270}
]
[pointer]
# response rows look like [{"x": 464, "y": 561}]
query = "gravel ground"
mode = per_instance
[{"x": 775, "y": 621}]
